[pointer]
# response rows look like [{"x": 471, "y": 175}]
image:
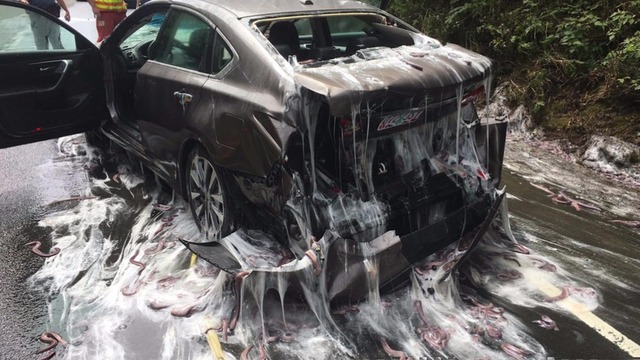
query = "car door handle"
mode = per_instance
[
  {"x": 57, "y": 68},
  {"x": 183, "y": 97}
]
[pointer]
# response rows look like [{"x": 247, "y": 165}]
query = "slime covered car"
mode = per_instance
[{"x": 335, "y": 130}]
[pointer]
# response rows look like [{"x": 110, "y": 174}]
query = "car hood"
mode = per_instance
[{"x": 431, "y": 70}]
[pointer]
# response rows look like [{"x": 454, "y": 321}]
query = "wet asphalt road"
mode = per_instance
[
  {"x": 26, "y": 184},
  {"x": 598, "y": 245},
  {"x": 31, "y": 177}
]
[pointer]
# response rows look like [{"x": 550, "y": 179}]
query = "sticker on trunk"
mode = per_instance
[{"x": 391, "y": 121}]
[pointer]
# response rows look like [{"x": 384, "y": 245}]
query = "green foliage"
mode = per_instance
[
  {"x": 591, "y": 46},
  {"x": 624, "y": 65}
]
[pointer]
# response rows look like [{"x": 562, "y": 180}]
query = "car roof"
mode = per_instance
[{"x": 256, "y": 8}]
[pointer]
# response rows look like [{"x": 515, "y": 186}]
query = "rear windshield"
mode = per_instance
[{"x": 325, "y": 37}]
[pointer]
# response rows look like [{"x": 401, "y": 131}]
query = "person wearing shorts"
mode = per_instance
[{"x": 108, "y": 14}]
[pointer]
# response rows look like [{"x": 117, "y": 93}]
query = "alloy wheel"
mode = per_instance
[{"x": 206, "y": 196}]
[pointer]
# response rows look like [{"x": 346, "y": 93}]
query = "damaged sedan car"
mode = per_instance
[{"x": 334, "y": 128}]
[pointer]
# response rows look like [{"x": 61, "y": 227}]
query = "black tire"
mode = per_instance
[{"x": 207, "y": 195}]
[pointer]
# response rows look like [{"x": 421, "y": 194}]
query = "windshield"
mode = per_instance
[{"x": 145, "y": 31}]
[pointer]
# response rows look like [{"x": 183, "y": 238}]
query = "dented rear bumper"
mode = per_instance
[
  {"x": 349, "y": 264},
  {"x": 349, "y": 267}
]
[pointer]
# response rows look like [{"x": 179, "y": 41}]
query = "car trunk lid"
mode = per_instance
[{"x": 437, "y": 74}]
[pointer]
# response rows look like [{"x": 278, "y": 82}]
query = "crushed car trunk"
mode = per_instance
[{"x": 392, "y": 149}]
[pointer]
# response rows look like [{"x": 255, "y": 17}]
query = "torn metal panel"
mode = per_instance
[{"x": 215, "y": 254}]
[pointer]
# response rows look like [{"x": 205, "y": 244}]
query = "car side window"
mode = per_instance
[
  {"x": 185, "y": 42},
  {"x": 305, "y": 32},
  {"x": 304, "y": 27},
  {"x": 222, "y": 55},
  {"x": 25, "y": 30}
]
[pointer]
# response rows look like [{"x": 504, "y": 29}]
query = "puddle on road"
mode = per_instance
[{"x": 122, "y": 288}]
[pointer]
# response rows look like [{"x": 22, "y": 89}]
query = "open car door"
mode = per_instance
[{"x": 50, "y": 85}]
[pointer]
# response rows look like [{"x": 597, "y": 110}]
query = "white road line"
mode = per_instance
[
  {"x": 214, "y": 342},
  {"x": 585, "y": 315},
  {"x": 212, "y": 337}
]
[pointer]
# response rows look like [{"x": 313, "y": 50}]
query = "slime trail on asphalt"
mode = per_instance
[{"x": 121, "y": 288}]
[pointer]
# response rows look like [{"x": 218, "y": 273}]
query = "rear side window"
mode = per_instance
[
  {"x": 185, "y": 42},
  {"x": 222, "y": 55}
]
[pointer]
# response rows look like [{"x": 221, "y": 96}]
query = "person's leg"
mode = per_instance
[
  {"x": 101, "y": 25},
  {"x": 121, "y": 16},
  {"x": 112, "y": 19},
  {"x": 54, "y": 36},
  {"x": 39, "y": 31}
]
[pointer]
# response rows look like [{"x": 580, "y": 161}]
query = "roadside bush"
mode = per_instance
[{"x": 546, "y": 49}]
